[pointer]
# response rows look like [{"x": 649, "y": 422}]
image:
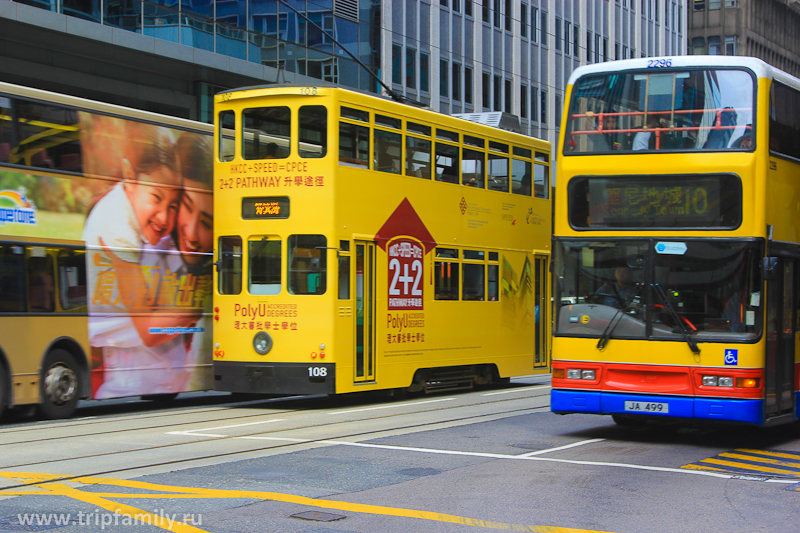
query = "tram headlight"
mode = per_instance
[
  {"x": 573, "y": 373},
  {"x": 587, "y": 374},
  {"x": 710, "y": 381},
  {"x": 262, "y": 343},
  {"x": 581, "y": 373}
]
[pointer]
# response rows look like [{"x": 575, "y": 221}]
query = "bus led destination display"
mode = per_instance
[
  {"x": 265, "y": 207},
  {"x": 656, "y": 202}
]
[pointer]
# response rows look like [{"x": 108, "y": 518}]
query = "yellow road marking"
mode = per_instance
[
  {"x": 795, "y": 456},
  {"x": 701, "y": 467},
  {"x": 773, "y": 462},
  {"x": 46, "y": 482},
  {"x": 751, "y": 467}
]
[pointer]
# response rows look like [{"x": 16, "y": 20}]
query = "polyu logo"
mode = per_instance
[{"x": 20, "y": 211}]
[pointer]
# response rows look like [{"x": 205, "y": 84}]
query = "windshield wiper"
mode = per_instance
[
  {"x": 617, "y": 318},
  {"x": 674, "y": 314}
]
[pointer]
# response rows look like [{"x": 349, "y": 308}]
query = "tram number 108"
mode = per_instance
[{"x": 317, "y": 371}]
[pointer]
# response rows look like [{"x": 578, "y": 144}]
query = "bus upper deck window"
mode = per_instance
[
  {"x": 308, "y": 264},
  {"x": 266, "y": 132},
  {"x": 388, "y": 147},
  {"x": 227, "y": 133},
  {"x": 313, "y": 123},
  {"x": 264, "y": 260},
  {"x": 230, "y": 265},
  {"x": 498, "y": 172}
]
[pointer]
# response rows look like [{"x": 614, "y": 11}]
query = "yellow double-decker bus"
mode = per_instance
[
  {"x": 105, "y": 239},
  {"x": 677, "y": 241},
  {"x": 364, "y": 244}
]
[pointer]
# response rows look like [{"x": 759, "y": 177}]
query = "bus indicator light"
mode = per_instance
[
  {"x": 313, "y": 355},
  {"x": 321, "y": 355},
  {"x": 747, "y": 383}
]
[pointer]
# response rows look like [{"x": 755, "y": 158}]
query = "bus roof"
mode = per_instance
[{"x": 759, "y": 67}]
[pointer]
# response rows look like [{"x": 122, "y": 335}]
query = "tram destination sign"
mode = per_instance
[
  {"x": 265, "y": 207},
  {"x": 656, "y": 202}
]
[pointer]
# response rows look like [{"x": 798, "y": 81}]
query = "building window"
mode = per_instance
[
  {"x": 496, "y": 13},
  {"x": 576, "y": 43},
  {"x": 486, "y": 90},
  {"x": 467, "y": 85},
  {"x": 523, "y": 20},
  {"x": 558, "y": 110},
  {"x": 534, "y": 25},
  {"x": 497, "y": 93},
  {"x": 698, "y": 46},
  {"x": 616, "y": 51},
  {"x": 714, "y": 46},
  {"x": 443, "y": 3},
  {"x": 509, "y": 18},
  {"x": 523, "y": 101},
  {"x": 558, "y": 34},
  {"x": 731, "y": 3},
  {"x": 605, "y": 49},
  {"x": 534, "y": 101},
  {"x": 730, "y": 45},
  {"x": 457, "y": 6},
  {"x": 509, "y": 97},
  {"x": 468, "y": 8},
  {"x": 543, "y": 108},
  {"x": 588, "y": 46},
  {"x": 397, "y": 65},
  {"x": 424, "y": 73},
  {"x": 456, "y": 81},
  {"x": 714, "y": 4},
  {"x": 443, "y": 82},
  {"x": 699, "y": 5},
  {"x": 411, "y": 68},
  {"x": 567, "y": 32},
  {"x": 543, "y": 27},
  {"x": 596, "y": 47},
  {"x": 485, "y": 10}
]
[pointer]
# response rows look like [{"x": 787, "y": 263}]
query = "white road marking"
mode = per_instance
[
  {"x": 524, "y": 457},
  {"x": 516, "y": 390},
  {"x": 194, "y": 432},
  {"x": 540, "y": 452},
  {"x": 390, "y": 406}
]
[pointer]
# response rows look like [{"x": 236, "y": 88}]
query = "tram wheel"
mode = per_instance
[
  {"x": 60, "y": 385},
  {"x": 3, "y": 390}
]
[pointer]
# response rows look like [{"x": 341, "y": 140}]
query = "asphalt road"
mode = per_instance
[{"x": 482, "y": 460}]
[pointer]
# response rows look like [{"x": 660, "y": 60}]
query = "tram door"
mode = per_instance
[
  {"x": 541, "y": 310},
  {"x": 365, "y": 312},
  {"x": 779, "y": 364}
]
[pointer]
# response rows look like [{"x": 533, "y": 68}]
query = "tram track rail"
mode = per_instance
[{"x": 284, "y": 446}]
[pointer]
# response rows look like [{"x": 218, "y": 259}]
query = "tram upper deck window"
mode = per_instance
[
  {"x": 72, "y": 279},
  {"x": 353, "y": 145},
  {"x": 12, "y": 279},
  {"x": 6, "y": 129},
  {"x": 266, "y": 133},
  {"x": 313, "y": 124},
  {"x": 703, "y": 109},
  {"x": 226, "y": 135}
]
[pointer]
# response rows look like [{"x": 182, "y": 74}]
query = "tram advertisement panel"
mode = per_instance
[{"x": 139, "y": 195}]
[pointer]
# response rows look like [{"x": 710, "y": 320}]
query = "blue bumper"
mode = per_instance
[{"x": 611, "y": 403}]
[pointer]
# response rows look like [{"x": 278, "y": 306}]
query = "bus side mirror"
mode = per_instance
[{"x": 770, "y": 268}]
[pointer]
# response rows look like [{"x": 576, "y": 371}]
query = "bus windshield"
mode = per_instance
[
  {"x": 661, "y": 110},
  {"x": 711, "y": 287}
]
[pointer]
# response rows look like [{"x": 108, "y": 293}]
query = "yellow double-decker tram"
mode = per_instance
[
  {"x": 677, "y": 242},
  {"x": 364, "y": 244}
]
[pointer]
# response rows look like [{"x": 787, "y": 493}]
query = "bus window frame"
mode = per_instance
[
  {"x": 754, "y": 105},
  {"x": 574, "y": 179}
]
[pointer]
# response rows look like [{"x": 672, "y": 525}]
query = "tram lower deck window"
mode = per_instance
[{"x": 308, "y": 265}]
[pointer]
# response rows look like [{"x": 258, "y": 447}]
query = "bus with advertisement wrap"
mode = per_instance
[
  {"x": 367, "y": 244},
  {"x": 105, "y": 252},
  {"x": 677, "y": 242}
]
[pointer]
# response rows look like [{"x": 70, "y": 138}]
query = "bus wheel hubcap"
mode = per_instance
[{"x": 60, "y": 384}]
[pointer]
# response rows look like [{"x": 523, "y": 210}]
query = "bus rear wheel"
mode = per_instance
[{"x": 60, "y": 385}]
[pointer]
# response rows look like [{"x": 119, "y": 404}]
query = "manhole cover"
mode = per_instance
[{"x": 317, "y": 516}]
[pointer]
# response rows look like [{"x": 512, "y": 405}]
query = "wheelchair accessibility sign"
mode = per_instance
[{"x": 731, "y": 357}]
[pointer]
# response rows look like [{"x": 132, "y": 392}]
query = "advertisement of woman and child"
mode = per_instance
[{"x": 143, "y": 207}]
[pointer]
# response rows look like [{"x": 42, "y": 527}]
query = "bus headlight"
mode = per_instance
[{"x": 262, "y": 343}]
